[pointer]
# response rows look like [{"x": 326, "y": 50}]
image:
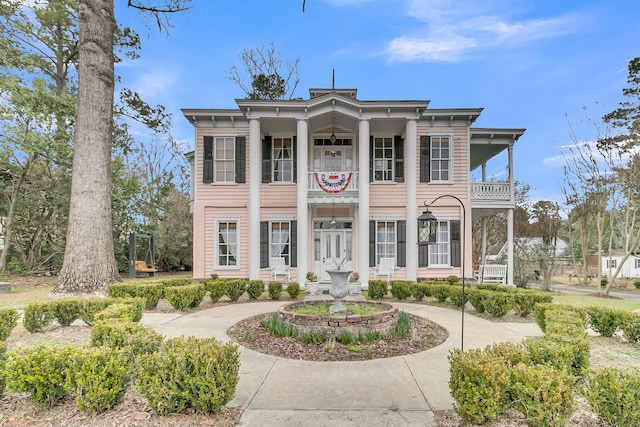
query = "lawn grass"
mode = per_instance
[
  {"x": 323, "y": 309},
  {"x": 21, "y": 296},
  {"x": 578, "y": 300}
]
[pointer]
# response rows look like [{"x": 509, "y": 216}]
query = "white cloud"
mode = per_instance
[
  {"x": 153, "y": 82},
  {"x": 453, "y": 30}
]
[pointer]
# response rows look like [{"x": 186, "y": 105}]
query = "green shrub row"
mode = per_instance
[
  {"x": 614, "y": 395},
  {"x": 184, "y": 373},
  {"x": 151, "y": 292},
  {"x": 121, "y": 334},
  {"x": 38, "y": 316}
]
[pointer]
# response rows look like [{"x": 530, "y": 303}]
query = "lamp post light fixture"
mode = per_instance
[{"x": 427, "y": 229}]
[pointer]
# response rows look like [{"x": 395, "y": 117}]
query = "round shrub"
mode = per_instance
[
  {"x": 419, "y": 290},
  {"x": 453, "y": 279},
  {"x": 119, "y": 334},
  {"x": 293, "y": 289},
  {"x": 631, "y": 327},
  {"x": 3, "y": 361},
  {"x": 476, "y": 297},
  {"x": 100, "y": 377},
  {"x": 255, "y": 288},
  {"x": 216, "y": 288},
  {"x": 400, "y": 289},
  {"x": 66, "y": 310},
  {"x": 543, "y": 394},
  {"x": 189, "y": 373},
  {"x": 90, "y": 306},
  {"x": 115, "y": 311},
  {"x": 604, "y": 320},
  {"x": 440, "y": 292},
  {"x": 40, "y": 371},
  {"x": 479, "y": 384},
  {"x": 170, "y": 283},
  {"x": 235, "y": 289},
  {"x": 8, "y": 321},
  {"x": 636, "y": 283},
  {"x": 377, "y": 289},
  {"x": 275, "y": 290},
  {"x": 37, "y": 316},
  {"x": 181, "y": 297},
  {"x": 613, "y": 395},
  {"x": 498, "y": 303}
]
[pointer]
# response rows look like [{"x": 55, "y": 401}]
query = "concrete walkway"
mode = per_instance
[{"x": 398, "y": 391}]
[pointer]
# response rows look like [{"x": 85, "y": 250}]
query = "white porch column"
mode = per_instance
[
  {"x": 302, "y": 147},
  {"x": 510, "y": 246},
  {"x": 254, "y": 199},
  {"x": 363, "y": 201},
  {"x": 512, "y": 182},
  {"x": 411, "y": 135}
]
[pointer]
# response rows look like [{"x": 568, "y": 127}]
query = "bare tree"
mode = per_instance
[{"x": 268, "y": 77}]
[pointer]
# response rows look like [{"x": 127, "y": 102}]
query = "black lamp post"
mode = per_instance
[{"x": 427, "y": 227}]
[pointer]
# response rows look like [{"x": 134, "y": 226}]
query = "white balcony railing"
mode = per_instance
[
  {"x": 333, "y": 182},
  {"x": 490, "y": 191}
]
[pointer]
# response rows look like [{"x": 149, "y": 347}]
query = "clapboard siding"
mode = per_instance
[{"x": 210, "y": 217}]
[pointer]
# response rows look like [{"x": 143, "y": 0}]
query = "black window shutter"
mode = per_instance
[
  {"x": 371, "y": 159},
  {"x": 266, "y": 159},
  {"x": 372, "y": 243},
  {"x": 401, "y": 238},
  {"x": 241, "y": 149},
  {"x": 293, "y": 244},
  {"x": 455, "y": 243},
  {"x": 207, "y": 161},
  {"x": 398, "y": 149},
  {"x": 294, "y": 150},
  {"x": 423, "y": 255},
  {"x": 264, "y": 244},
  {"x": 425, "y": 143}
]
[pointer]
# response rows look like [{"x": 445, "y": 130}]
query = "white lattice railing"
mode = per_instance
[
  {"x": 351, "y": 186},
  {"x": 490, "y": 191}
]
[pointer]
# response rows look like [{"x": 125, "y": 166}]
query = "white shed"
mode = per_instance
[{"x": 630, "y": 268}]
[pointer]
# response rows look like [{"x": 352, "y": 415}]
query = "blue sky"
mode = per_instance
[{"x": 529, "y": 64}]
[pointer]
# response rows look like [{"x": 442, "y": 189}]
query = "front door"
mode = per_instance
[{"x": 336, "y": 247}]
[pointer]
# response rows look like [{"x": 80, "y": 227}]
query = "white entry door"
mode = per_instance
[{"x": 336, "y": 248}]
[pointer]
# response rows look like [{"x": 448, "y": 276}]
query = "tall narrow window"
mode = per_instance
[
  {"x": 228, "y": 244},
  {"x": 383, "y": 159},
  {"x": 282, "y": 160},
  {"x": 440, "y": 158},
  {"x": 439, "y": 253},
  {"x": 280, "y": 240},
  {"x": 224, "y": 154},
  {"x": 385, "y": 240}
]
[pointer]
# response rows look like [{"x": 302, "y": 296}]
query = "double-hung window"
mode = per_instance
[
  {"x": 385, "y": 240},
  {"x": 612, "y": 263},
  {"x": 224, "y": 158},
  {"x": 440, "y": 158},
  {"x": 282, "y": 156},
  {"x": 439, "y": 253},
  {"x": 637, "y": 262},
  {"x": 383, "y": 159},
  {"x": 227, "y": 244},
  {"x": 280, "y": 240}
]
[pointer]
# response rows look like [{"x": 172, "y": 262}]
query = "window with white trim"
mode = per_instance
[
  {"x": 224, "y": 159},
  {"x": 612, "y": 263},
  {"x": 280, "y": 240},
  {"x": 383, "y": 159},
  {"x": 282, "y": 155},
  {"x": 637, "y": 262},
  {"x": 227, "y": 244},
  {"x": 440, "y": 158},
  {"x": 385, "y": 240},
  {"x": 439, "y": 253}
]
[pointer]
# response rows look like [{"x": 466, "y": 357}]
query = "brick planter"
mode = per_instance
[{"x": 334, "y": 324}]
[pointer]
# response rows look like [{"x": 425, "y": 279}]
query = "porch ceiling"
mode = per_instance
[{"x": 481, "y": 153}]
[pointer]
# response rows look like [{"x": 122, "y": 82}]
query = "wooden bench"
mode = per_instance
[
  {"x": 143, "y": 267},
  {"x": 493, "y": 273}
]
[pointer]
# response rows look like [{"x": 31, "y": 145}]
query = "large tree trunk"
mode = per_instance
[{"x": 89, "y": 261}]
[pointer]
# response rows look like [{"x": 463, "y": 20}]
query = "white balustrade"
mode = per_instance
[
  {"x": 313, "y": 184},
  {"x": 490, "y": 191}
]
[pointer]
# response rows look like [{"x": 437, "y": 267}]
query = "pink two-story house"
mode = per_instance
[{"x": 334, "y": 179}]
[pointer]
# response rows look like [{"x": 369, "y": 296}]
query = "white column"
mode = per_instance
[
  {"x": 363, "y": 201},
  {"x": 510, "y": 246},
  {"x": 302, "y": 147},
  {"x": 254, "y": 199},
  {"x": 512, "y": 183},
  {"x": 483, "y": 257},
  {"x": 411, "y": 135}
]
